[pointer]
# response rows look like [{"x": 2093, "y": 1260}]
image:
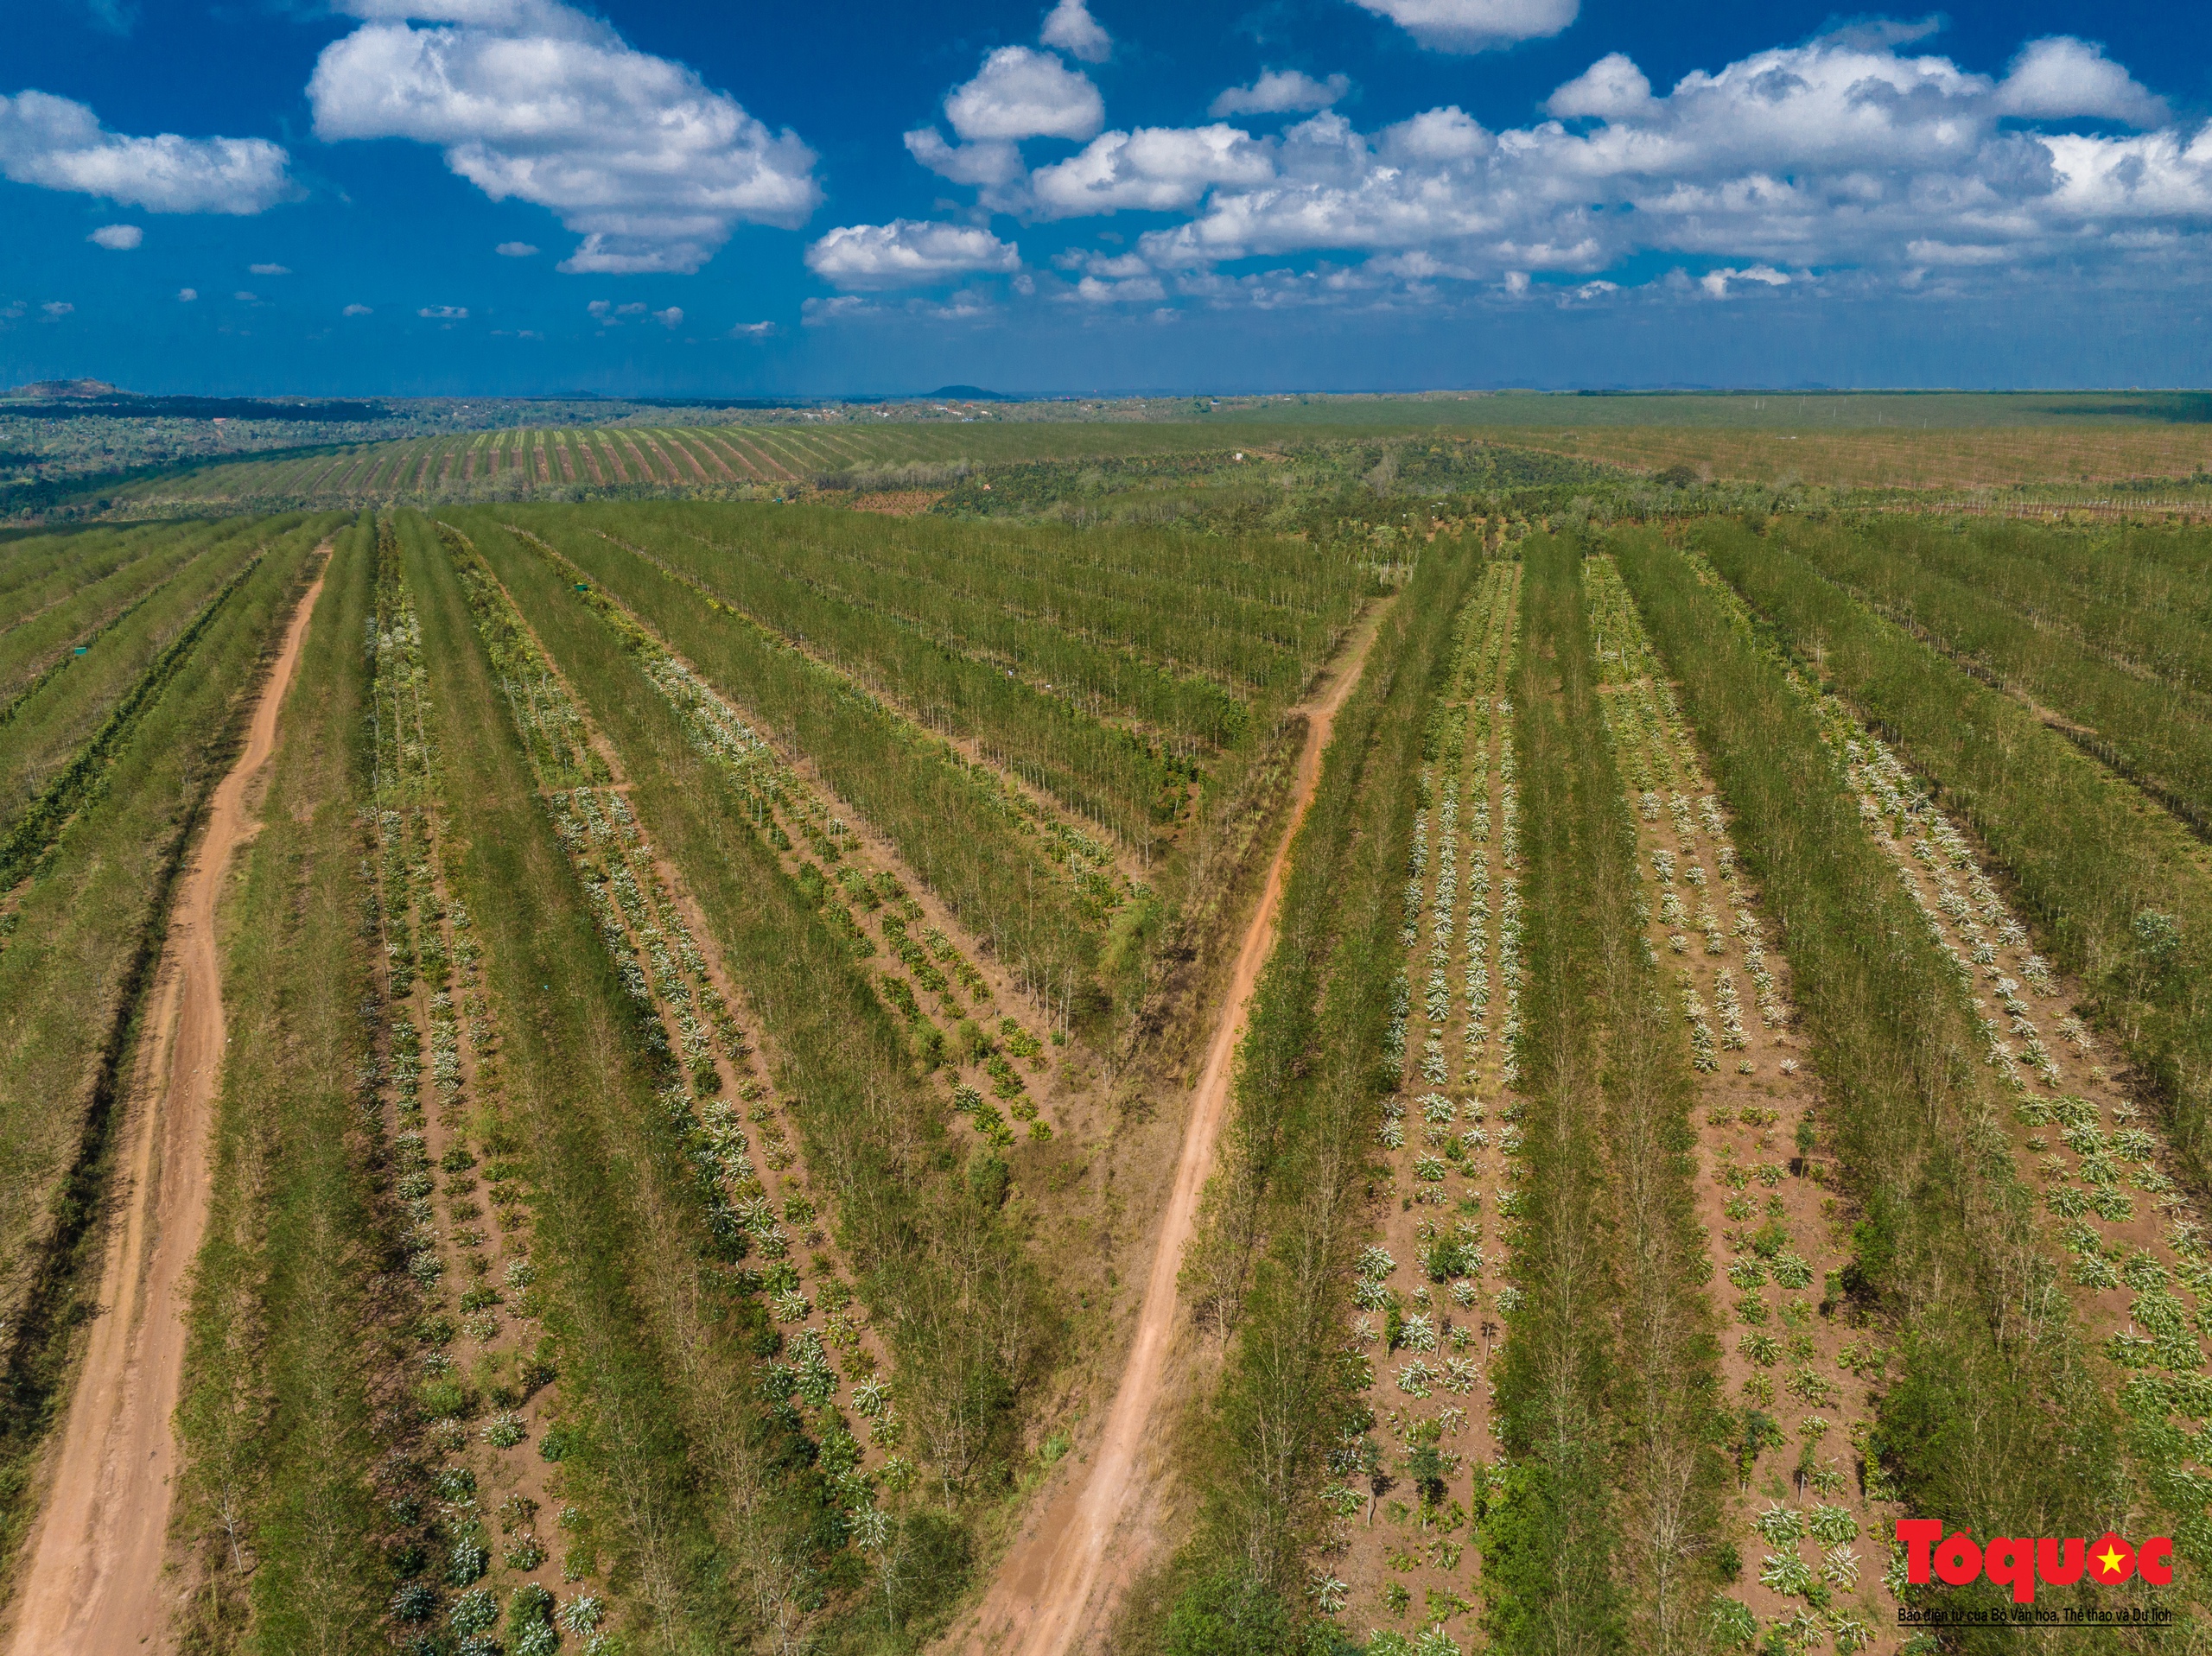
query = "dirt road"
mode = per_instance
[
  {"x": 1042, "y": 1603},
  {"x": 93, "y": 1585}
]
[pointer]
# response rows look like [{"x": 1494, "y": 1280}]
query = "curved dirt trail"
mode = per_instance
[
  {"x": 93, "y": 1585},
  {"x": 1037, "y": 1605}
]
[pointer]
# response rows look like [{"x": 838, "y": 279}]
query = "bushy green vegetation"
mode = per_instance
[
  {"x": 1998, "y": 1420},
  {"x": 2123, "y": 679},
  {"x": 2090, "y": 862}
]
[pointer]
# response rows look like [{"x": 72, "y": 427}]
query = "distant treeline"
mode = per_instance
[{"x": 124, "y": 405}]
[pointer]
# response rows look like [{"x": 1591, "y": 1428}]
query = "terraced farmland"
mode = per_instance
[{"x": 692, "y": 1075}]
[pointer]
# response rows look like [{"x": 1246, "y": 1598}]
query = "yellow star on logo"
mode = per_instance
[{"x": 2107, "y": 1562}]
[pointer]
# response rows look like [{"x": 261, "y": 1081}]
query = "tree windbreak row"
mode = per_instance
[
  {"x": 2016, "y": 1234},
  {"x": 1736, "y": 1254},
  {"x": 709, "y": 1004},
  {"x": 2118, "y": 888}
]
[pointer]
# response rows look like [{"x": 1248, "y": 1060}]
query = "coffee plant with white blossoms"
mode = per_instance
[{"x": 1453, "y": 1042}]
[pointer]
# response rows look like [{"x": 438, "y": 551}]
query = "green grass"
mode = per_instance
[
  {"x": 78, "y": 949},
  {"x": 288, "y": 1333}
]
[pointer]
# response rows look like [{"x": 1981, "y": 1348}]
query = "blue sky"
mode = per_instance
[{"x": 856, "y": 197}]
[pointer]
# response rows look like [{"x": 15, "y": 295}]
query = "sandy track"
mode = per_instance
[
  {"x": 93, "y": 1585},
  {"x": 1041, "y": 1603}
]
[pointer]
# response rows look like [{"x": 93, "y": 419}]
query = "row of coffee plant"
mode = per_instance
[
  {"x": 861, "y": 890},
  {"x": 487, "y": 1377},
  {"x": 1426, "y": 1301},
  {"x": 2153, "y": 726},
  {"x": 939, "y": 1276},
  {"x": 1039, "y": 893},
  {"x": 1608, "y": 1396},
  {"x": 654, "y": 1431},
  {"x": 61, "y": 732},
  {"x": 711, "y": 1091},
  {"x": 82, "y": 596},
  {"x": 1983, "y": 1311},
  {"x": 1115, "y": 776},
  {"x": 939, "y": 1267},
  {"x": 2116, "y": 890},
  {"x": 1799, "y": 1364}
]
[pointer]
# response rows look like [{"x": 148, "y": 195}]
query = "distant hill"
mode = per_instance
[
  {"x": 60, "y": 390},
  {"x": 972, "y": 394}
]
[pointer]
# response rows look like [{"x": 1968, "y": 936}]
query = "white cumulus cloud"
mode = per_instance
[
  {"x": 1612, "y": 86},
  {"x": 1844, "y": 150},
  {"x": 57, "y": 143},
  {"x": 444, "y": 313},
  {"x": 906, "y": 252},
  {"x": 2062, "y": 77},
  {"x": 269, "y": 269},
  {"x": 990, "y": 164},
  {"x": 1019, "y": 94},
  {"x": 1475, "y": 25},
  {"x": 186, "y": 295},
  {"x": 119, "y": 238},
  {"x": 57, "y": 308},
  {"x": 1716, "y": 281},
  {"x": 1281, "y": 91},
  {"x": 1071, "y": 27},
  {"x": 535, "y": 100},
  {"x": 357, "y": 310},
  {"x": 1154, "y": 168},
  {"x": 672, "y": 317},
  {"x": 515, "y": 250}
]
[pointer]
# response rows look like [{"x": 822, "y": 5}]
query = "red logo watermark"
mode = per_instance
[{"x": 2019, "y": 1564}]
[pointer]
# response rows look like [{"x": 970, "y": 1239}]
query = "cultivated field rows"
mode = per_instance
[
  {"x": 517, "y": 463},
  {"x": 1425, "y": 1305},
  {"x": 1804, "y": 1379},
  {"x": 1672, "y": 1136}
]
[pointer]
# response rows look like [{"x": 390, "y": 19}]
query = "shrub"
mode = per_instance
[
  {"x": 1229, "y": 1615},
  {"x": 414, "y": 1602},
  {"x": 475, "y": 1611},
  {"x": 467, "y": 1563}
]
